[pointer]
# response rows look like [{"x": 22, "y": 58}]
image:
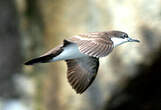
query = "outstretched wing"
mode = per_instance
[
  {"x": 82, "y": 72},
  {"x": 93, "y": 44}
]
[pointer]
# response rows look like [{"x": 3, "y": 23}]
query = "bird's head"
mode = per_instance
[{"x": 119, "y": 38}]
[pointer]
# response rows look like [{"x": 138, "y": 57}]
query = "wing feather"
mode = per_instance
[
  {"x": 94, "y": 44},
  {"x": 82, "y": 72}
]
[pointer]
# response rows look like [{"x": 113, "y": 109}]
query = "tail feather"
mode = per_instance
[
  {"x": 42, "y": 59},
  {"x": 46, "y": 57}
]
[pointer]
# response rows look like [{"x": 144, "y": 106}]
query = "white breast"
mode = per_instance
[{"x": 118, "y": 41}]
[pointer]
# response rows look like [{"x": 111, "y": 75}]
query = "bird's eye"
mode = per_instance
[{"x": 124, "y": 36}]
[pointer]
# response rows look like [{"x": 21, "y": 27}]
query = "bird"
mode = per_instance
[{"x": 81, "y": 53}]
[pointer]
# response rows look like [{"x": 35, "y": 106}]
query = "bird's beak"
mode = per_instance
[{"x": 132, "y": 40}]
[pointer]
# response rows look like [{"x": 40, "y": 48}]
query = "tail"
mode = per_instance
[
  {"x": 42, "y": 59},
  {"x": 48, "y": 56}
]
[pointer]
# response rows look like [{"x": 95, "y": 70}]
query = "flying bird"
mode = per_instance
[{"x": 82, "y": 53}]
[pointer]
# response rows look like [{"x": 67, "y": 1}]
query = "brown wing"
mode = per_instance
[
  {"x": 93, "y": 44},
  {"x": 82, "y": 72}
]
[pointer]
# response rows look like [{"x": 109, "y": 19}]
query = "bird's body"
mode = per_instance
[
  {"x": 82, "y": 53},
  {"x": 70, "y": 51}
]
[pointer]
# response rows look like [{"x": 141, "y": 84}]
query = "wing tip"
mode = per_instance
[
  {"x": 77, "y": 87},
  {"x": 80, "y": 92}
]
